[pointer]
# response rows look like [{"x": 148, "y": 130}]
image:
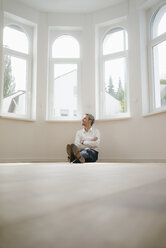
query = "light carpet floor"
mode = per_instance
[{"x": 100, "y": 205}]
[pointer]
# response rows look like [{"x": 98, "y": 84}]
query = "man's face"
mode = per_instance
[{"x": 85, "y": 120}]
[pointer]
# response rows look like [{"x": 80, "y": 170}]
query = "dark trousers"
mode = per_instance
[{"x": 90, "y": 155}]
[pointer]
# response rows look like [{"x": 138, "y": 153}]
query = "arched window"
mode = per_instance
[
  {"x": 110, "y": 44},
  {"x": 158, "y": 52},
  {"x": 114, "y": 73},
  {"x": 65, "y": 46},
  {"x": 64, "y": 78},
  {"x": 17, "y": 72}
]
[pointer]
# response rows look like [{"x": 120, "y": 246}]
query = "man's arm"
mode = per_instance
[
  {"x": 94, "y": 142},
  {"x": 78, "y": 141}
]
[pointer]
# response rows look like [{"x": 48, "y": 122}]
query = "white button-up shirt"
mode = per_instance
[{"x": 83, "y": 138}]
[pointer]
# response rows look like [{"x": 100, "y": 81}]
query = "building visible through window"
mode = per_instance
[{"x": 63, "y": 84}]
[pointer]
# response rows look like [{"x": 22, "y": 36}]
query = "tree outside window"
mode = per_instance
[
  {"x": 16, "y": 59},
  {"x": 115, "y": 73},
  {"x": 9, "y": 81}
]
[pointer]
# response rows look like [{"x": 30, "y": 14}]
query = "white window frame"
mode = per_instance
[
  {"x": 151, "y": 43},
  {"x": 30, "y": 114},
  {"x": 53, "y": 35},
  {"x": 147, "y": 11},
  {"x": 103, "y": 59}
]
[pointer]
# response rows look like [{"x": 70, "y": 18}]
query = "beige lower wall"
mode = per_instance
[{"x": 135, "y": 139}]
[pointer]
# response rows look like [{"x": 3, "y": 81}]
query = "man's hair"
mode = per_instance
[{"x": 91, "y": 118}]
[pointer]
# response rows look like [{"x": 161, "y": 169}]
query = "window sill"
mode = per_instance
[
  {"x": 116, "y": 118},
  {"x": 63, "y": 120},
  {"x": 119, "y": 117},
  {"x": 157, "y": 112},
  {"x": 16, "y": 118}
]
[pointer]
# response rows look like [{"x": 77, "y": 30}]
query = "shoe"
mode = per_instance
[
  {"x": 69, "y": 152},
  {"x": 77, "y": 153}
]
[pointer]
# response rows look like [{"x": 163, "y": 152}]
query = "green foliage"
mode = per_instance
[
  {"x": 110, "y": 87},
  {"x": 162, "y": 81},
  {"x": 123, "y": 107},
  {"x": 118, "y": 95},
  {"x": 163, "y": 96},
  {"x": 9, "y": 80},
  {"x": 120, "y": 92}
]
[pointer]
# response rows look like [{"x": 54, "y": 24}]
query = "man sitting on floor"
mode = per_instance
[{"x": 87, "y": 140}]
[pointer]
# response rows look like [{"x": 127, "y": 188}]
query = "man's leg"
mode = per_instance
[
  {"x": 90, "y": 155},
  {"x": 78, "y": 156},
  {"x": 70, "y": 154}
]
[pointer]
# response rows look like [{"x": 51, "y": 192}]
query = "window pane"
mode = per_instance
[
  {"x": 65, "y": 47},
  {"x": 65, "y": 90},
  {"x": 115, "y": 41},
  {"x": 15, "y": 39},
  {"x": 158, "y": 25},
  {"x": 162, "y": 25},
  {"x": 115, "y": 87},
  {"x": 159, "y": 63},
  {"x": 14, "y": 88}
]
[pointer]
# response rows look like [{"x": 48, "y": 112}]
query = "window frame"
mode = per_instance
[
  {"x": 103, "y": 59},
  {"x": 152, "y": 42},
  {"x": 30, "y": 92},
  {"x": 53, "y": 35}
]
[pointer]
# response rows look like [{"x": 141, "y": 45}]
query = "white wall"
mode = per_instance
[{"x": 136, "y": 139}]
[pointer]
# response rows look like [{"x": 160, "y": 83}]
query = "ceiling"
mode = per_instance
[{"x": 69, "y": 6}]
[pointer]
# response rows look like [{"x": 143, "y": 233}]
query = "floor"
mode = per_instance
[{"x": 100, "y": 205}]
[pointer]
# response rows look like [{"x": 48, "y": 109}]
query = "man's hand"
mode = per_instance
[{"x": 94, "y": 139}]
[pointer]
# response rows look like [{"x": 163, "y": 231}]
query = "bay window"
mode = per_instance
[
  {"x": 63, "y": 100},
  {"x": 114, "y": 97},
  {"x": 17, "y": 87}
]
